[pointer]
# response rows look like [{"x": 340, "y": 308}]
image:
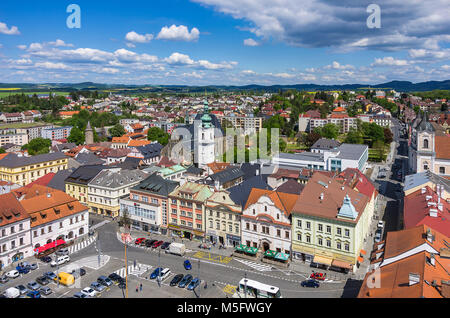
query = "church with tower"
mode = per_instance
[
  {"x": 429, "y": 148},
  {"x": 205, "y": 145}
]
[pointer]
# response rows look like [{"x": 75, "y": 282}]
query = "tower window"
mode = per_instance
[{"x": 425, "y": 143}]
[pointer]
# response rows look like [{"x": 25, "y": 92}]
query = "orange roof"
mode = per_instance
[
  {"x": 218, "y": 166},
  {"x": 69, "y": 113},
  {"x": 442, "y": 147},
  {"x": 45, "y": 205},
  {"x": 10, "y": 209},
  {"x": 283, "y": 201},
  {"x": 137, "y": 126},
  {"x": 138, "y": 143},
  {"x": 339, "y": 109},
  {"x": 120, "y": 140},
  {"x": 3, "y": 155}
]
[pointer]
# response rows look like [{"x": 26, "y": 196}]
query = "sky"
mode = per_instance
[{"x": 224, "y": 42}]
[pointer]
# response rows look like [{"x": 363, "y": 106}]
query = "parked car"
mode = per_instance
[
  {"x": 164, "y": 273},
  {"x": 13, "y": 274},
  {"x": 50, "y": 275},
  {"x": 78, "y": 272},
  {"x": 105, "y": 281},
  {"x": 33, "y": 285},
  {"x": 157, "y": 244},
  {"x": 62, "y": 251},
  {"x": 34, "y": 266},
  {"x": 34, "y": 294},
  {"x": 165, "y": 245},
  {"x": 176, "y": 280},
  {"x": 185, "y": 281},
  {"x": 310, "y": 283},
  {"x": 42, "y": 280},
  {"x": 187, "y": 265},
  {"x": 194, "y": 283},
  {"x": 80, "y": 295},
  {"x": 88, "y": 291},
  {"x": 4, "y": 279},
  {"x": 380, "y": 224},
  {"x": 114, "y": 277},
  {"x": 318, "y": 276},
  {"x": 46, "y": 259},
  {"x": 60, "y": 260},
  {"x": 97, "y": 287},
  {"x": 45, "y": 290},
  {"x": 22, "y": 289},
  {"x": 139, "y": 240},
  {"x": 205, "y": 246},
  {"x": 377, "y": 236},
  {"x": 156, "y": 273},
  {"x": 149, "y": 243},
  {"x": 22, "y": 270}
]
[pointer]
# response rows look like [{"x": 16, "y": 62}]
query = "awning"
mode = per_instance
[
  {"x": 282, "y": 256},
  {"x": 241, "y": 248},
  {"x": 362, "y": 252},
  {"x": 322, "y": 260},
  {"x": 360, "y": 259},
  {"x": 270, "y": 253},
  {"x": 252, "y": 250},
  {"x": 341, "y": 264},
  {"x": 60, "y": 242}
]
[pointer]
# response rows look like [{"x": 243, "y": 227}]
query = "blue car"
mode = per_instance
[
  {"x": 185, "y": 281},
  {"x": 310, "y": 283},
  {"x": 34, "y": 294},
  {"x": 23, "y": 270},
  {"x": 187, "y": 265},
  {"x": 156, "y": 273},
  {"x": 50, "y": 275},
  {"x": 195, "y": 282}
]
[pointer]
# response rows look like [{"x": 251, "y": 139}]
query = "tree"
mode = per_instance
[
  {"x": 76, "y": 136},
  {"x": 157, "y": 134},
  {"x": 37, "y": 146},
  {"x": 388, "y": 136},
  {"x": 2, "y": 150},
  {"x": 117, "y": 130},
  {"x": 330, "y": 131},
  {"x": 354, "y": 137},
  {"x": 125, "y": 220}
]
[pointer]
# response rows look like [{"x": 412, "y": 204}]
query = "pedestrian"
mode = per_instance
[
  {"x": 137, "y": 289},
  {"x": 140, "y": 287}
]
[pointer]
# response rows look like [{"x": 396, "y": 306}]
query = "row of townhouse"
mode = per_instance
[
  {"x": 35, "y": 216},
  {"x": 28, "y": 116},
  {"x": 326, "y": 224},
  {"x": 308, "y": 124}
]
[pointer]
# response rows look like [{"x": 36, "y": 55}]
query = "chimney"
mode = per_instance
[
  {"x": 424, "y": 190},
  {"x": 430, "y": 237},
  {"x": 414, "y": 278},
  {"x": 49, "y": 195},
  {"x": 321, "y": 196},
  {"x": 433, "y": 213}
]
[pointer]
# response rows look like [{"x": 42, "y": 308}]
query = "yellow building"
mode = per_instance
[
  {"x": 77, "y": 182},
  {"x": 223, "y": 219},
  {"x": 24, "y": 170}
]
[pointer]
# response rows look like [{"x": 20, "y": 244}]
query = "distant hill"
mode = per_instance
[{"x": 401, "y": 86}]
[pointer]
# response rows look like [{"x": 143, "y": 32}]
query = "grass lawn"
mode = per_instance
[
  {"x": 22, "y": 125},
  {"x": 4, "y": 92}
]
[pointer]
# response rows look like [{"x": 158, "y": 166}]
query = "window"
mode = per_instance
[
  {"x": 328, "y": 243},
  {"x": 347, "y": 233},
  {"x": 425, "y": 143},
  {"x": 42, "y": 231},
  {"x": 247, "y": 226},
  {"x": 278, "y": 232},
  {"x": 49, "y": 228},
  {"x": 287, "y": 234},
  {"x": 338, "y": 245},
  {"x": 338, "y": 231},
  {"x": 265, "y": 208},
  {"x": 20, "y": 227},
  {"x": 308, "y": 225},
  {"x": 308, "y": 239},
  {"x": 328, "y": 229},
  {"x": 347, "y": 247},
  {"x": 254, "y": 227},
  {"x": 12, "y": 229},
  {"x": 299, "y": 237},
  {"x": 320, "y": 241},
  {"x": 320, "y": 228},
  {"x": 236, "y": 228},
  {"x": 442, "y": 170},
  {"x": 299, "y": 223},
  {"x": 60, "y": 225}
]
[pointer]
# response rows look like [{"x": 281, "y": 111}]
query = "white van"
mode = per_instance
[
  {"x": 60, "y": 260},
  {"x": 12, "y": 292}
]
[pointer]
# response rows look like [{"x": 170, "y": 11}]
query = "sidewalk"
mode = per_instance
[{"x": 190, "y": 244}]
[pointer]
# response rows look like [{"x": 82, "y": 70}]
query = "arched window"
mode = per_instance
[{"x": 425, "y": 143}]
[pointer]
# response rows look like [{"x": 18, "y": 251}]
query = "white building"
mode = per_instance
[
  {"x": 56, "y": 133},
  {"x": 205, "y": 137}
]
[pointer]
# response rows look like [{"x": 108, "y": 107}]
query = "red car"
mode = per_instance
[
  {"x": 157, "y": 244},
  {"x": 318, "y": 276},
  {"x": 139, "y": 240}
]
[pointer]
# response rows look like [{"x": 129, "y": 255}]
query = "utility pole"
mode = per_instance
[
  {"x": 126, "y": 270},
  {"x": 245, "y": 284},
  {"x": 159, "y": 266}
]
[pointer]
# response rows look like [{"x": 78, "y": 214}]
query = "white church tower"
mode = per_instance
[{"x": 205, "y": 141}]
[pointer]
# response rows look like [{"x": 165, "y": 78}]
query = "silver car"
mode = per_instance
[
  {"x": 98, "y": 287},
  {"x": 45, "y": 290}
]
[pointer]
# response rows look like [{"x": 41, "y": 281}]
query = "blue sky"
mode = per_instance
[{"x": 231, "y": 42}]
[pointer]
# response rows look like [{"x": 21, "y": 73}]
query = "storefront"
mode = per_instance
[
  {"x": 17, "y": 257},
  {"x": 322, "y": 261},
  {"x": 199, "y": 236},
  {"x": 212, "y": 236},
  {"x": 233, "y": 240}
]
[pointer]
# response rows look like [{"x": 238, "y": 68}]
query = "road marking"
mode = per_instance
[
  {"x": 229, "y": 289},
  {"x": 136, "y": 271},
  {"x": 258, "y": 267},
  {"x": 64, "y": 294},
  {"x": 215, "y": 258}
]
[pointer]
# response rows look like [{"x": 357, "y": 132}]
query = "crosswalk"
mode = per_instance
[
  {"x": 79, "y": 246},
  {"x": 257, "y": 266},
  {"x": 132, "y": 270}
]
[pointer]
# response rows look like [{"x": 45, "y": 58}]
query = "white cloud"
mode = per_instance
[
  {"x": 35, "y": 47},
  {"x": 124, "y": 55},
  {"x": 51, "y": 66},
  {"x": 178, "y": 58},
  {"x": 337, "y": 66},
  {"x": 248, "y": 72},
  {"x": 138, "y": 38},
  {"x": 12, "y": 31},
  {"x": 178, "y": 33},
  {"x": 108, "y": 70},
  {"x": 215, "y": 66},
  {"x": 389, "y": 61},
  {"x": 59, "y": 42},
  {"x": 193, "y": 74},
  {"x": 22, "y": 47},
  {"x": 250, "y": 42},
  {"x": 130, "y": 45},
  {"x": 446, "y": 67}
]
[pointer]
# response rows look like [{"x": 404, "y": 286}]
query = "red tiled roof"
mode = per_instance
[{"x": 43, "y": 181}]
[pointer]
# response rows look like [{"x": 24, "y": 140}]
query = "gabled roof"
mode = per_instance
[
  {"x": 240, "y": 193},
  {"x": 84, "y": 174},
  {"x": 14, "y": 161},
  {"x": 156, "y": 184},
  {"x": 356, "y": 180},
  {"x": 11, "y": 210},
  {"x": 115, "y": 179},
  {"x": 291, "y": 186},
  {"x": 283, "y": 201},
  {"x": 227, "y": 175}
]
